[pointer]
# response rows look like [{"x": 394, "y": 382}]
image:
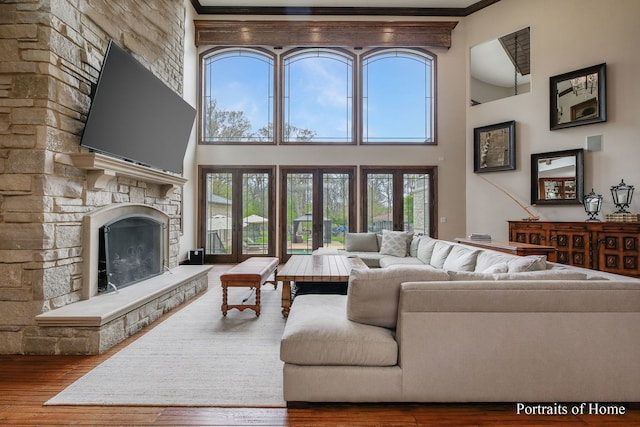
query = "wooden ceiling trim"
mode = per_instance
[
  {"x": 323, "y": 33},
  {"x": 340, "y": 10}
]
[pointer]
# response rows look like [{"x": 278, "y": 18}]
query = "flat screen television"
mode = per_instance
[{"x": 135, "y": 116}]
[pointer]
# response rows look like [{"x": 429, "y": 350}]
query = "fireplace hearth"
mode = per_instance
[{"x": 135, "y": 240}]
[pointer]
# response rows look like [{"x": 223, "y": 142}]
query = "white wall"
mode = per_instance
[
  {"x": 190, "y": 94},
  {"x": 448, "y": 155},
  {"x": 566, "y": 35}
]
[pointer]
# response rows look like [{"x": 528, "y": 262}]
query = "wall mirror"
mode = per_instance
[
  {"x": 500, "y": 68},
  {"x": 578, "y": 98},
  {"x": 557, "y": 177}
]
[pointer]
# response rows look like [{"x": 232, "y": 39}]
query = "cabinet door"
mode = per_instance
[
  {"x": 618, "y": 252},
  {"x": 573, "y": 246},
  {"x": 533, "y": 233}
]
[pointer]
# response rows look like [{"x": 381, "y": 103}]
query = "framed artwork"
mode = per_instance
[{"x": 494, "y": 147}]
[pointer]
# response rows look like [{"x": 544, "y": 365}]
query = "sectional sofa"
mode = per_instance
[{"x": 466, "y": 325}]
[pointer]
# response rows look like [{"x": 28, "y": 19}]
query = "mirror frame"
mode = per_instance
[
  {"x": 601, "y": 96},
  {"x": 535, "y": 158}
]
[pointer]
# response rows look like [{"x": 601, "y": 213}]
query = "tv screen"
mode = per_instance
[{"x": 135, "y": 116}]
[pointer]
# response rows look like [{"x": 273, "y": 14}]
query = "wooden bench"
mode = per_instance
[{"x": 252, "y": 273}]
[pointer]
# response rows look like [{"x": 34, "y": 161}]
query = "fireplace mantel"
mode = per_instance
[{"x": 101, "y": 169}]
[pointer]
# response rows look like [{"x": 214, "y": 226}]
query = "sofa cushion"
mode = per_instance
[
  {"x": 371, "y": 259},
  {"x": 501, "y": 267},
  {"x": 489, "y": 258},
  {"x": 373, "y": 295},
  {"x": 389, "y": 261},
  {"x": 525, "y": 275},
  {"x": 413, "y": 246},
  {"x": 440, "y": 252},
  {"x": 528, "y": 263},
  {"x": 461, "y": 259},
  {"x": 361, "y": 242},
  {"x": 425, "y": 249},
  {"x": 318, "y": 333},
  {"x": 395, "y": 243}
]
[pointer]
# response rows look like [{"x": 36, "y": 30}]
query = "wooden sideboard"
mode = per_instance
[{"x": 606, "y": 246}]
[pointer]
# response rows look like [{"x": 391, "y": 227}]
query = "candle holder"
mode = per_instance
[
  {"x": 622, "y": 194},
  {"x": 592, "y": 205}
]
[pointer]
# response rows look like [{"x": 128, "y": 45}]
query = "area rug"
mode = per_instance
[{"x": 196, "y": 357}]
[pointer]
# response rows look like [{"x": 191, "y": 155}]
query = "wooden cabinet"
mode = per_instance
[{"x": 605, "y": 246}]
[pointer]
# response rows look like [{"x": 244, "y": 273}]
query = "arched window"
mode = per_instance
[
  {"x": 237, "y": 96},
  {"x": 318, "y": 97},
  {"x": 398, "y": 97}
]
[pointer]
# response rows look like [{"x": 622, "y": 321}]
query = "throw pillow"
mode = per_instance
[
  {"x": 460, "y": 259},
  {"x": 360, "y": 242},
  {"x": 395, "y": 243},
  {"x": 528, "y": 263},
  {"x": 440, "y": 252},
  {"x": 373, "y": 294}
]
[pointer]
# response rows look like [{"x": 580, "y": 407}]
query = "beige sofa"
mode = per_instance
[
  {"x": 458, "y": 331},
  {"x": 381, "y": 250}
]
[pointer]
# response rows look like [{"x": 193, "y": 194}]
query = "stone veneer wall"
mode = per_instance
[{"x": 51, "y": 52}]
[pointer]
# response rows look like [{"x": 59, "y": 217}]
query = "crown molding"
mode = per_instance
[{"x": 340, "y": 11}]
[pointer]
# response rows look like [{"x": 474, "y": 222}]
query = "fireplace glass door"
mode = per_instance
[{"x": 131, "y": 250}]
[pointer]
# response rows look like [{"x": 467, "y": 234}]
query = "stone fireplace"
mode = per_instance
[
  {"x": 52, "y": 52},
  {"x": 131, "y": 245},
  {"x": 139, "y": 208}
]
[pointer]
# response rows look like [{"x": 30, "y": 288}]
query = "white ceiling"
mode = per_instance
[{"x": 342, "y": 3}]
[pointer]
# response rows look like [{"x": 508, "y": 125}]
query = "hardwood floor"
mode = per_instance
[{"x": 26, "y": 382}]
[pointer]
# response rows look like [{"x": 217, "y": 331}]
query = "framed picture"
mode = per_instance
[{"x": 494, "y": 147}]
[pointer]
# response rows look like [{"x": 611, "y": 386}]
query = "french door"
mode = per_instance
[
  {"x": 317, "y": 208},
  {"x": 402, "y": 198},
  {"x": 237, "y": 212}
]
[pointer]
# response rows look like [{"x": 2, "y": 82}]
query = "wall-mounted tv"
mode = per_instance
[{"x": 135, "y": 116}]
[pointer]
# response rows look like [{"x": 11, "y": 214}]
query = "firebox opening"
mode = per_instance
[{"x": 130, "y": 250}]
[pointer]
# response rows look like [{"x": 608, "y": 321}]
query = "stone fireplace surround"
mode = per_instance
[
  {"x": 98, "y": 322},
  {"x": 52, "y": 53}
]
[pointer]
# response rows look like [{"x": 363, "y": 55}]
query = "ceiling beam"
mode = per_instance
[{"x": 323, "y": 33}]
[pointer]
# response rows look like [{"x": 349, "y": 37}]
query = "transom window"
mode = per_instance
[
  {"x": 318, "y": 97},
  {"x": 237, "y": 98},
  {"x": 323, "y": 96},
  {"x": 397, "y": 97}
]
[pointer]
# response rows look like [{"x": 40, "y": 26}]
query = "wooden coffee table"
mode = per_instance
[{"x": 314, "y": 268}]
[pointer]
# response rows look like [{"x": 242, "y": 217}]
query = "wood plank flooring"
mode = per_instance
[{"x": 26, "y": 382}]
